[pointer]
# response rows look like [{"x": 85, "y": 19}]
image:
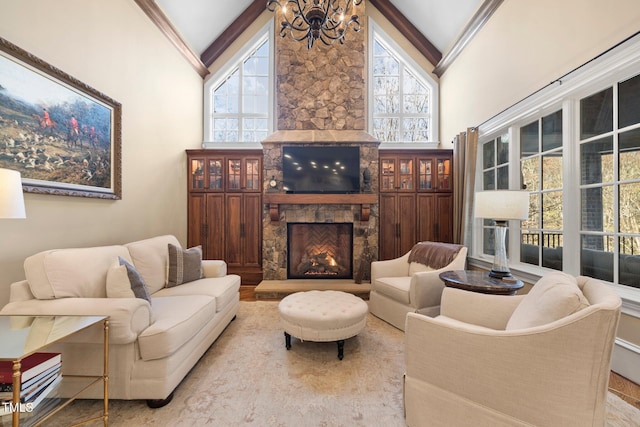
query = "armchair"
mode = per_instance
[
  {"x": 402, "y": 285},
  {"x": 537, "y": 359}
]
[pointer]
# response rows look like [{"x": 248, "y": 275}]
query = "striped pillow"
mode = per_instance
[{"x": 185, "y": 265}]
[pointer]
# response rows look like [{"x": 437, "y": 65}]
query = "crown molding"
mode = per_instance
[{"x": 158, "y": 17}]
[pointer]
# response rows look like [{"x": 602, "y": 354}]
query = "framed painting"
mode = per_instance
[{"x": 63, "y": 136}]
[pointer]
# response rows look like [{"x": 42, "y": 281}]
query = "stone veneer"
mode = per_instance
[{"x": 274, "y": 234}]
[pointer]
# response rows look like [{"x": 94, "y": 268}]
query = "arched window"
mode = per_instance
[
  {"x": 239, "y": 98},
  {"x": 403, "y": 97}
]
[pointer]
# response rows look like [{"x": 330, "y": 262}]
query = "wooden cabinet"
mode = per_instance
[
  {"x": 225, "y": 208},
  {"x": 416, "y": 200}
]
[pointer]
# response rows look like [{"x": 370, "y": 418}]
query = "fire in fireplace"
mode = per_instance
[{"x": 319, "y": 250}]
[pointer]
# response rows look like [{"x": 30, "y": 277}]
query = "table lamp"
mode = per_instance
[
  {"x": 11, "y": 197},
  {"x": 501, "y": 206}
]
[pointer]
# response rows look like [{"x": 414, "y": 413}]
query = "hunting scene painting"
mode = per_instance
[{"x": 63, "y": 136}]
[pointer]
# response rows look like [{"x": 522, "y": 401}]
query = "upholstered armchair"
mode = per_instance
[
  {"x": 538, "y": 359},
  {"x": 411, "y": 283}
]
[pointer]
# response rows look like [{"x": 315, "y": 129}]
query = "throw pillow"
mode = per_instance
[
  {"x": 185, "y": 265},
  {"x": 554, "y": 296},
  {"x": 118, "y": 285},
  {"x": 138, "y": 286}
]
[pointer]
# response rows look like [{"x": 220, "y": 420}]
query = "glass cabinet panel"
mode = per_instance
[
  {"x": 252, "y": 174},
  {"x": 233, "y": 174},
  {"x": 388, "y": 174},
  {"x": 444, "y": 174},
  {"x": 215, "y": 174},
  {"x": 406, "y": 174},
  {"x": 196, "y": 173},
  {"x": 425, "y": 177}
]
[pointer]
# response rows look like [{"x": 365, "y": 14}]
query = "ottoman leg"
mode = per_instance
[
  {"x": 340, "y": 349},
  {"x": 287, "y": 341}
]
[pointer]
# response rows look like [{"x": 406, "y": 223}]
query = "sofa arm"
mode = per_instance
[
  {"x": 489, "y": 311},
  {"x": 390, "y": 268},
  {"x": 214, "y": 268},
  {"x": 128, "y": 317}
]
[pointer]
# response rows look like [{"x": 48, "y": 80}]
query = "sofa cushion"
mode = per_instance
[
  {"x": 185, "y": 265},
  {"x": 178, "y": 319},
  {"x": 554, "y": 296},
  {"x": 118, "y": 284},
  {"x": 223, "y": 289},
  {"x": 150, "y": 258},
  {"x": 76, "y": 272},
  {"x": 138, "y": 286},
  {"x": 396, "y": 288}
]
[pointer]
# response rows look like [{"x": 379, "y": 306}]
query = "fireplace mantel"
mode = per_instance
[{"x": 274, "y": 200}]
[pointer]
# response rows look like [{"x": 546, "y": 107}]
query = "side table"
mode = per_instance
[{"x": 480, "y": 281}]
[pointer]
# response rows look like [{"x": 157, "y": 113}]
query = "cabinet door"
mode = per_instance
[
  {"x": 443, "y": 212},
  {"x": 252, "y": 173},
  {"x": 215, "y": 175},
  {"x": 233, "y": 226},
  {"x": 426, "y": 173},
  {"x": 406, "y": 223},
  {"x": 197, "y": 174},
  {"x": 426, "y": 228},
  {"x": 443, "y": 170},
  {"x": 196, "y": 219},
  {"x": 388, "y": 227},
  {"x": 213, "y": 247},
  {"x": 387, "y": 174},
  {"x": 251, "y": 230},
  {"x": 406, "y": 175}
]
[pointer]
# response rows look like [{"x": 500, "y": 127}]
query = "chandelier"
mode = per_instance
[{"x": 324, "y": 20}]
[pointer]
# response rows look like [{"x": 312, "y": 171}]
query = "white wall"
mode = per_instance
[
  {"x": 523, "y": 47},
  {"x": 113, "y": 47}
]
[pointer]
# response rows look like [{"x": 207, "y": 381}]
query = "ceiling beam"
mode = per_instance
[
  {"x": 408, "y": 30},
  {"x": 158, "y": 17},
  {"x": 232, "y": 32},
  {"x": 476, "y": 22}
]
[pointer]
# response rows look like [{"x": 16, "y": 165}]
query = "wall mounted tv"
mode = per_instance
[{"x": 321, "y": 169}]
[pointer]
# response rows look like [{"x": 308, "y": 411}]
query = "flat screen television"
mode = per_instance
[{"x": 321, "y": 169}]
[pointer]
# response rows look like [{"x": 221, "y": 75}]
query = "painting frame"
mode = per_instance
[{"x": 50, "y": 154}]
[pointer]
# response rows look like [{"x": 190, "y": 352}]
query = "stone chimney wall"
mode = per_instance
[{"x": 322, "y": 88}]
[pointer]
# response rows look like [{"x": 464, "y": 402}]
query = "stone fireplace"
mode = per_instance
[{"x": 319, "y": 250}]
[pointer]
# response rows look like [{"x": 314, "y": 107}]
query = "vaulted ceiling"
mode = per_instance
[{"x": 203, "y": 28}]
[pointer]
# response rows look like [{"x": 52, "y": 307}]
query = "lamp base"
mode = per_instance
[{"x": 499, "y": 274}]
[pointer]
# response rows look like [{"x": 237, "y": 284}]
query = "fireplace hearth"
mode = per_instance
[{"x": 320, "y": 250}]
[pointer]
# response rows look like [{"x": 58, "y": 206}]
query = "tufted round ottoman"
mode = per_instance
[{"x": 322, "y": 316}]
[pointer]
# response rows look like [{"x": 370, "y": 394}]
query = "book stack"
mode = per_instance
[{"x": 40, "y": 374}]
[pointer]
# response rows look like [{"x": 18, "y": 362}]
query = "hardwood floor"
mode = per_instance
[{"x": 619, "y": 385}]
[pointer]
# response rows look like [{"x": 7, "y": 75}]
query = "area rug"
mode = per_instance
[{"x": 248, "y": 378}]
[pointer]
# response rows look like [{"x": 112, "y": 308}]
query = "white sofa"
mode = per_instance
[{"x": 152, "y": 346}]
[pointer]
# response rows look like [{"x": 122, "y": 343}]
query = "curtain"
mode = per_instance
[{"x": 465, "y": 151}]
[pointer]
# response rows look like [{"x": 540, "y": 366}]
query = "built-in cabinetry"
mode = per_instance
[
  {"x": 416, "y": 200},
  {"x": 225, "y": 208}
]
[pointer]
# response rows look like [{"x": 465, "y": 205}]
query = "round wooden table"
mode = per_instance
[{"x": 480, "y": 281}]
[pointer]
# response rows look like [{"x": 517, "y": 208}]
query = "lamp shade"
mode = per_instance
[
  {"x": 502, "y": 205},
  {"x": 11, "y": 197}
]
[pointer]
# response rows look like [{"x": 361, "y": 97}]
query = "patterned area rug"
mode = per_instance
[{"x": 248, "y": 378}]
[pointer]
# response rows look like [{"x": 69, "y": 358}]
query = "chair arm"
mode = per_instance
[
  {"x": 214, "y": 268},
  {"x": 425, "y": 289},
  {"x": 396, "y": 267},
  {"x": 128, "y": 317},
  {"x": 490, "y": 311}
]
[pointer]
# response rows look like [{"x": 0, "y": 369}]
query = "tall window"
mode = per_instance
[
  {"x": 495, "y": 176},
  {"x": 404, "y": 98},
  {"x": 238, "y": 104},
  {"x": 610, "y": 183},
  {"x": 541, "y": 171}
]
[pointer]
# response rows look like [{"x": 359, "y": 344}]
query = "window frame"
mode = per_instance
[
  {"x": 266, "y": 33},
  {"x": 376, "y": 32},
  {"x": 616, "y": 65}
]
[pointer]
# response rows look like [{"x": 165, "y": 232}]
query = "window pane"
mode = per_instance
[
  {"x": 503, "y": 149},
  {"x": 488, "y": 154},
  {"x": 597, "y": 209},
  {"x": 596, "y": 161},
  {"x": 596, "y": 258},
  {"x": 552, "y": 131},
  {"x": 534, "y": 212},
  {"x": 529, "y": 139},
  {"x": 629, "y": 265},
  {"x": 552, "y": 255},
  {"x": 530, "y": 249},
  {"x": 552, "y": 210},
  {"x": 596, "y": 114},
  {"x": 629, "y": 207},
  {"x": 552, "y": 171},
  {"x": 629, "y": 155},
  {"x": 503, "y": 177},
  {"x": 489, "y": 182},
  {"x": 488, "y": 245},
  {"x": 628, "y": 105},
  {"x": 530, "y": 174}
]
